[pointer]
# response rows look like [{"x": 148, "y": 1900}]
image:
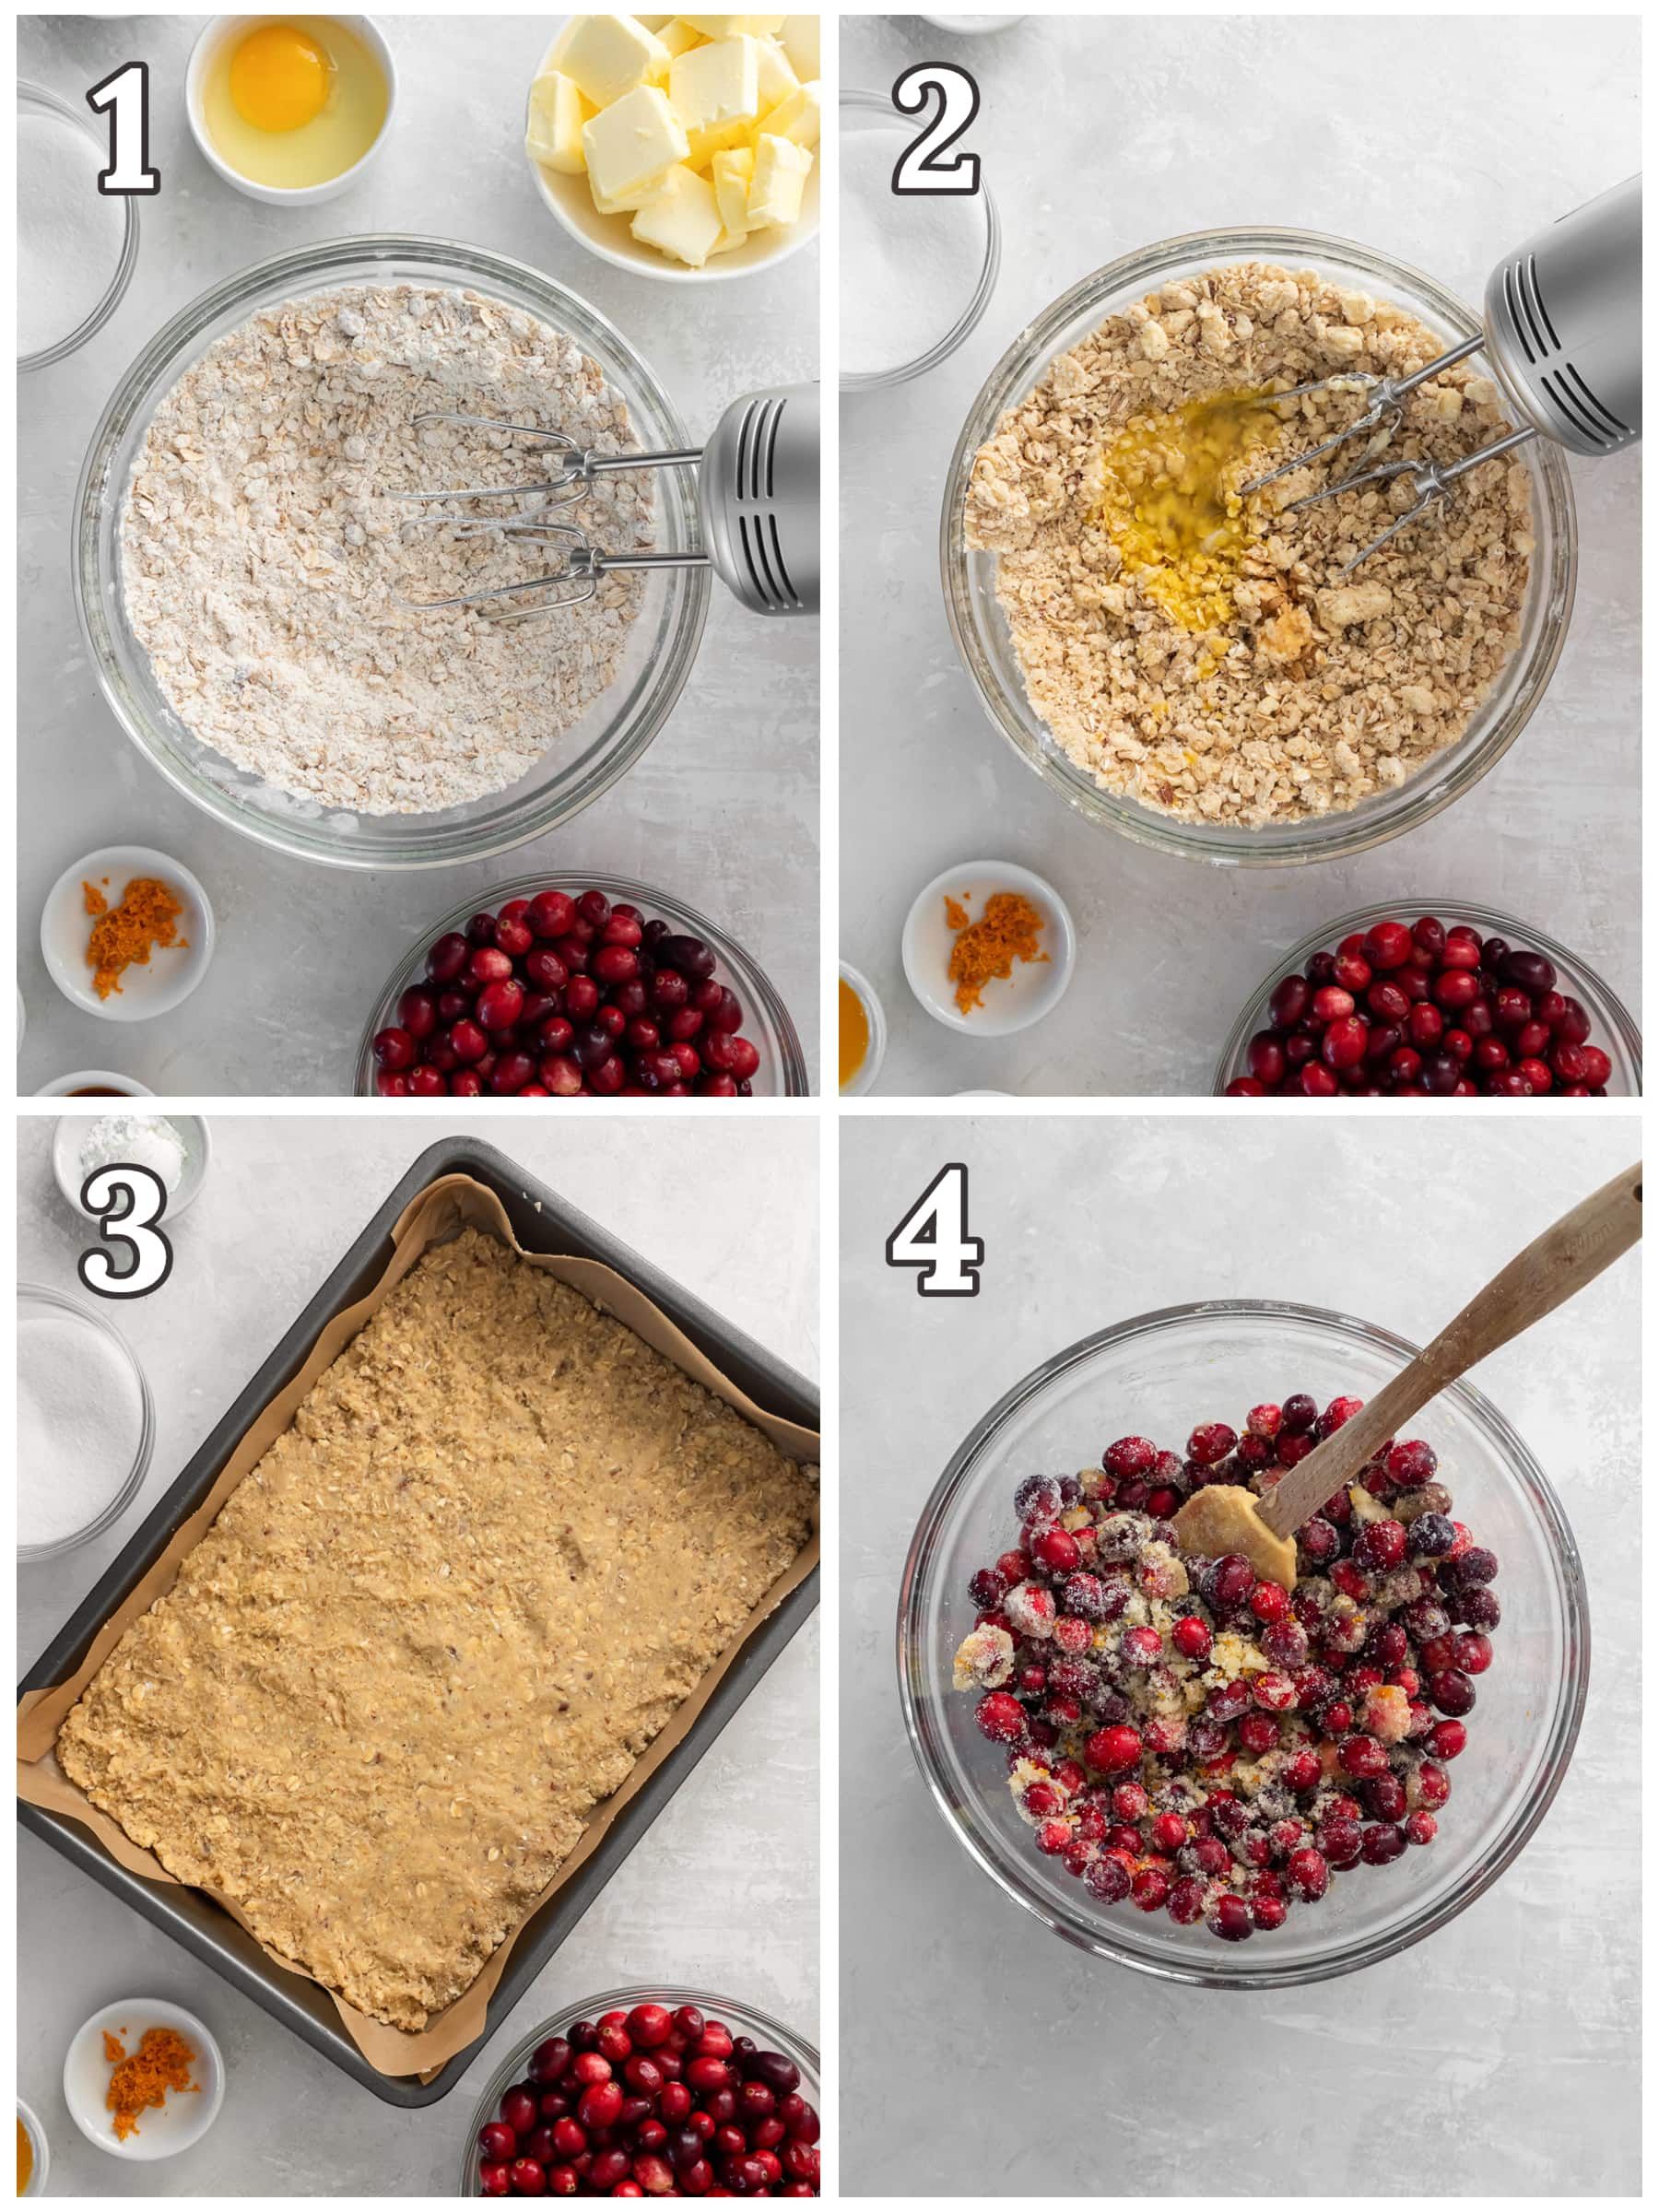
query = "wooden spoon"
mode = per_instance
[{"x": 1554, "y": 1267}]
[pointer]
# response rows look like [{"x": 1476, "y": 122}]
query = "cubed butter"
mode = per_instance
[
  {"x": 682, "y": 219},
  {"x": 606, "y": 56},
  {"x": 798, "y": 117},
  {"x": 733, "y": 174},
  {"x": 678, "y": 36},
  {"x": 800, "y": 36},
  {"x": 713, "y": 87},
  {"x": 728, "y": 27},
  {"x": 781, "y": 169},
  {"x": 629, "y": 146},
  {"x": 553, "y": 136},
  {"x": 777, "y": 79}
]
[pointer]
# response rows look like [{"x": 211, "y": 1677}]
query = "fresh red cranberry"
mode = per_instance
[
  {"x": 1230, "y": 1918},
  {"x": 1001, "y": 1718},
  {"x": 1210, "y": 1443},
  {"x": 1451, "y": 1691},
  {"x": 1446, "y": 1739},
  {"x": 1191, "y": 1637}
]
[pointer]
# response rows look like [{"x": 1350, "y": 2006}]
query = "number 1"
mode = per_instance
[{"x": 124, "y": 94}]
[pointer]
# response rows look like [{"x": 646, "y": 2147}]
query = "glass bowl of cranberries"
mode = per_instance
[
  {"x": 1187, "y": 1771},
  {"x": 650, "y": 2092},
  {"x": 1449, "y": 1001},
  {"x": 568, "y": 986}
]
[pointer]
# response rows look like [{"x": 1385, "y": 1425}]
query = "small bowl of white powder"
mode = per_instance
[
  {"x": 917, "y": 269},
  {"x": 86, "y": 1423},
  {"x": 174, "y": 1145},
  {"x": 76, "y": 247}
]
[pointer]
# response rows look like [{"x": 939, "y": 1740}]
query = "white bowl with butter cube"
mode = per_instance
[{"x": 683, "y": 147}]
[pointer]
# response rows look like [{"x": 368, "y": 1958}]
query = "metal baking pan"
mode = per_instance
[{"x": 543, "y": 1222}]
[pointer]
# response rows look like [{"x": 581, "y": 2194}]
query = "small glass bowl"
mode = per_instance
[
  {"x": 36, "y": 1300},
  {"x": 875, "y": 111},
  {"x": 863, "y": 1075},
  {"x": 609, "y": 738},
  {"x": 982, "y": 633},
  {"x": 742, "y": 2018},
  {"x": 765, "y": 1022},
  {"x": 1153, "y": 1375},
  {"x": 1611, "y": 1026},
  {"x": 43, "y": 102}
]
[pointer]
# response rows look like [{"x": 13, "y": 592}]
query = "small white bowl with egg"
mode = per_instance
[
  {"x": 345, "y": 59},
  {"x": 75, "y": 1132},
  {"x": 569, "y": 198},
  {"x": 1035, "y": 987},
  {"x": 146, "y": 988},
  {"x": 183, "y": 2117}
]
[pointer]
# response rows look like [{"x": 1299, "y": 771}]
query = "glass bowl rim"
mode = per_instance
[
  {"x": 171, "y": 349},
  {"x": 128, "y": 1489},
  {"x": 1446, "y": 776},
  {"x": 1501, "y": 925},
  {"x": 763, "y": 991},
  {"x": 1114, "y": 1940},
  {"x": 32, "y": 94},
  {"x": 968, "y": 322},
  {"x": 794, "y": 2045}
]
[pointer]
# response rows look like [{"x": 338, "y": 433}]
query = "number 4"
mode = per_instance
[{"x": 934, "y": 1238}]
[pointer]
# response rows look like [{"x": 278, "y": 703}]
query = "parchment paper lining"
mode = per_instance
[{"x": 438, "y": 1215}]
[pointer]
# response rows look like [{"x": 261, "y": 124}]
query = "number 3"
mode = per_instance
[
  {"x": 921, "y": 167},
  {"x": 934, "y": 1238},
  {"x": 127, "y": 1200}
]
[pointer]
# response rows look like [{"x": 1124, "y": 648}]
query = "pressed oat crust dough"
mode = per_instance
[
  {"x": 434, "y": 1625},
  {"x": 1317, "y": 694}
]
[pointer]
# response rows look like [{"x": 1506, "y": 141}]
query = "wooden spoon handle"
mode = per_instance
[{"x": 1553, "y": 1268}]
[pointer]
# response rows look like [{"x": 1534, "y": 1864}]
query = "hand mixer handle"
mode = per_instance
[{"x": 617, "y": 464}]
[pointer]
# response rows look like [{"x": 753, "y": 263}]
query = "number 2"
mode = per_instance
[
  {"x": 124, "y": 94},
  {"x": 933, "y": 1237},
  {"x": 923, "y": 168},
  {"x": 126, "y": 1201}
]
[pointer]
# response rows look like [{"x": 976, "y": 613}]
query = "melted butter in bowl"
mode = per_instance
[{"x": 1168, "y": 499}]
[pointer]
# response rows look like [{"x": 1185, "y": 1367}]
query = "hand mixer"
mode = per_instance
[
  {"x": 758, "y": 497},
  {"x": 1563, "y": 332}
]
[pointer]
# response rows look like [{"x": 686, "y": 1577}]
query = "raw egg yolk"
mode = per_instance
[{"x": 278, "y": 78}]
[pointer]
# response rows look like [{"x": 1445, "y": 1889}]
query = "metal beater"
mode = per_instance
[
  {"x": 758, "y": 497},
  {"x": 1563, "y": 332}
]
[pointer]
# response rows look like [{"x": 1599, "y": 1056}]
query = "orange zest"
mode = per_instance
[
  {"x": 985, "y": 951},
  {"x": 161, "y": 2062},
  {"x": 123, "y": 935}
]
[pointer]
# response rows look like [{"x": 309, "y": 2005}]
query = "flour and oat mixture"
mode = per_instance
[
  {"x": 264, "y": 569},
  {"x": 1249, "y": 688}
]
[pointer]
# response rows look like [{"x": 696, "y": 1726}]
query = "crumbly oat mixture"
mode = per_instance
[
  {"x": 1313, "y": 695},
  {"x": 434, "y": 1626},
  {"x": 264, "y": 572}
]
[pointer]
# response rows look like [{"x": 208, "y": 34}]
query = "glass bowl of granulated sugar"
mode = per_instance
[
  {"x": 86, "y": 1423},
  {"x": 917, "y": 269}
]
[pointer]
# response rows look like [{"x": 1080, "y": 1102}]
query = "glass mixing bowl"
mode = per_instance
[
  {"x": 1611, "y": 1026},
  {"x": 743, "y": 2019},
  {"x": 981, "y": 634},
  {"x": 1156, "y": 1375},
  {"x": 766, "y": 1023},
  {"x": 581, "y": 765}
]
